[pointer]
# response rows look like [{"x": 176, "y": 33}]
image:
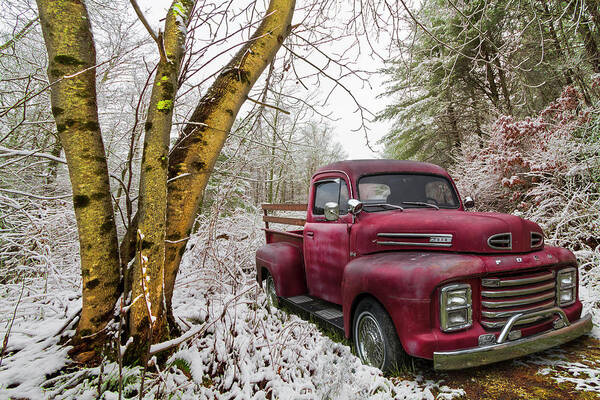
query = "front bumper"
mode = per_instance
[{"x": 505, "y": 350}]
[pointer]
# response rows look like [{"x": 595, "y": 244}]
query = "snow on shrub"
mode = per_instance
[{"x": 545, "y": 168}]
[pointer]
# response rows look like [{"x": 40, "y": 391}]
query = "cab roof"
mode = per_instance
[{"x": 358, "y": 168}]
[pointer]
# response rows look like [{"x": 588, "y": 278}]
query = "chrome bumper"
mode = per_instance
[{"x": 505, "y": 350}]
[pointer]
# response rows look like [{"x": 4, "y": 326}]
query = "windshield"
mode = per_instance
[{"x": 406, "y": 191}]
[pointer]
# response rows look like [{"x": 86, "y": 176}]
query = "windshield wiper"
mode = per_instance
[
  {"x": 383, "y": 205},
  {"x": 420, "y": 203}
]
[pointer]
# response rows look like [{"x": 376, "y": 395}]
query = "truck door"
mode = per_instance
[{"x": 326, "y": 243}]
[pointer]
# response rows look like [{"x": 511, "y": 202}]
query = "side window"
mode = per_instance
[{"x": 334, "y": 190}]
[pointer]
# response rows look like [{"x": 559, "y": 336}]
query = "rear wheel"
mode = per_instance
[
  {"x": 375, "y": 338},
  {"x": 270, "y": 291}
]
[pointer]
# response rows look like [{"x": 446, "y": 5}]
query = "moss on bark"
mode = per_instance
[
  {"x": 152, "y": 207},
  {"x": 68, "y": 38},
  {"x": 198, "y": 147}
]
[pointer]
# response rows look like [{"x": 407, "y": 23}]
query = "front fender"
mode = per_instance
[
  {"x": 285, "y": 263},
  {"x": 404, "y": 284}
]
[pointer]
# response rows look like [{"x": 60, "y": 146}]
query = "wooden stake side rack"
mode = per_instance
[{"x": 283, "y": 220}]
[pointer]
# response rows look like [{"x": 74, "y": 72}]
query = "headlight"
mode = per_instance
[
  {"x": 566, "y": 286},
  {"x": 455, "y": 307}
]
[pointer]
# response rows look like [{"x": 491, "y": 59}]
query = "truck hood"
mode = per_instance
[{"x": 445, "y": 230}]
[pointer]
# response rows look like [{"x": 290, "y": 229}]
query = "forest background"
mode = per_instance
[{"x": 504, "y": 94}]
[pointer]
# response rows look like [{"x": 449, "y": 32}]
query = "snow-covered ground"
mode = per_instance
[{"x": 247, "y": 351}]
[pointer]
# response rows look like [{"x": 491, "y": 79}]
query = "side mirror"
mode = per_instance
[
  {"x": 354, "y": 206},
  {"x": 332, "y": 211},
  {"x": 468, "y": 202}
]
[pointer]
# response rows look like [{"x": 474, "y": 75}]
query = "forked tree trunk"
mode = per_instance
[
  {"x": 70, "y": 45},
  {"x": 194, "y": 156},
  {"x": 147, "y": 320},
  {"x": 72, "y": 57}
]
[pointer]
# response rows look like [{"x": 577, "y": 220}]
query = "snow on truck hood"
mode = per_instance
[{"x": 446, "y": 230}]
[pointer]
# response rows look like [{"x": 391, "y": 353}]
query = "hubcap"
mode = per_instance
[
  {"x": 270, "y": 291},
  {"x": 370, "y": 341}
]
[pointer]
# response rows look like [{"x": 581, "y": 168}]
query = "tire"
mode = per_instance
[
  {"x": 272, "y": 299},
  {"x": 375, "y": 338}
]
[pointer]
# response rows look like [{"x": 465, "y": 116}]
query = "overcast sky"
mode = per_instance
[{"x": 340, "y": 104}]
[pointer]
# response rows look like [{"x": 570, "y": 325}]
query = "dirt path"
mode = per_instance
[{"x": 571, "y": 371}]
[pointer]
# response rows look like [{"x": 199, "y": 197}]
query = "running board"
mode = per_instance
[{"x": 324, "y": 311}]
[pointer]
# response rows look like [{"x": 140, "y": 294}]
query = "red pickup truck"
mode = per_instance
[{"x": 389, "y": 255}]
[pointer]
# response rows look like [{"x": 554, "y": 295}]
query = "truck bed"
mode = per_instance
[
  {"x": 276, "y": 235},
  {"x": 309, "y": 307}
]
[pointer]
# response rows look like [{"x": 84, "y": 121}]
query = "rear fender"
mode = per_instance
[{"x": 285, "y": 263}]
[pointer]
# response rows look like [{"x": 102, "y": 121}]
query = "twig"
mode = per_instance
[
  {"x": 69, "y": 322},
  {"x": 268, "y": 105},
  {"x": 6, "y": 152},
  {"x": 143, "y": 262},
  {"x": 20, "y": 34},
  {"x": 49, "y": 85},
  {"x": 157, "y": 348},
  {"x": 6, "y": 336},
  {"x": 121, "y": 349},
  {"x": 34, "y": 195},
  {"x": 337, "y": 82},
  {"x": 142, "y": 18},
  {"x": 100, "y": 374},
  {"x": 159, "y": 39}
]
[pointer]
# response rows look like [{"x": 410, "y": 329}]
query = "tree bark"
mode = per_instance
[
  {"x": 147, "y": 319},
  {"x": 192, "y": 159},
  {"x": 589, "y": 43},
  {"x": 491, "y": 79},
  {"x": 53, "y": 165},
  {"x": 567, "y": 73},
  {"x": 72, "y": 57},
  {"x": 503, "y": 85}
]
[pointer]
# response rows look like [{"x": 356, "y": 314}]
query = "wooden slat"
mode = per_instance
[
  {"x": 284, "y": 233},
  {"x": 284, "y": 220},
  {"x": 285, "y": 207}
]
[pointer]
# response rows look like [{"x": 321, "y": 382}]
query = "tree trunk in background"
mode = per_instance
[
  {"x": 590, "y": 46},
  {"x": 192, "y": 160},
  {"x": 503, "y": 85},
  {"x": 72, "y": 57},
  {"x": 589, "y": 42},
  {"x": 147, "y": 316},
  {"x": 53, "y": 165},
  {"x": 569, "y": 53},
  {"x": 567, "y": 72},
  {"x": 593, "y": 7},
  {"x": 271, "y": 194},
  {"x": 494, "y": 95}
]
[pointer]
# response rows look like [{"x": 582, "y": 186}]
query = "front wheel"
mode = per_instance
[
  {"x": 375, "y": 338},
  {"x": 272, "y": 299}
]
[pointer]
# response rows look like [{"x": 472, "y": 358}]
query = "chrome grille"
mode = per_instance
[{"x": 502, "y": 297}]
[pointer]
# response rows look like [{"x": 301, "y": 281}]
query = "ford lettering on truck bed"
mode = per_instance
[{"x": 389, "y": 255}]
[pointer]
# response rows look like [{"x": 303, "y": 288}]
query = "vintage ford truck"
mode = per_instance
[{"x": 389, "y": 255}]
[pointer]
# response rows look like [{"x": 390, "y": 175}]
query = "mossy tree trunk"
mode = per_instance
[
  {"x": 166, "y": 211},
  {"x": 195, "y": 153},
  {"x": 148, "y": 276},
  {"x": 72, "y": 57}
]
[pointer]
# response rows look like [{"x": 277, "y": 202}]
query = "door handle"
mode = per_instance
[{"x": 310, "y": 234}]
